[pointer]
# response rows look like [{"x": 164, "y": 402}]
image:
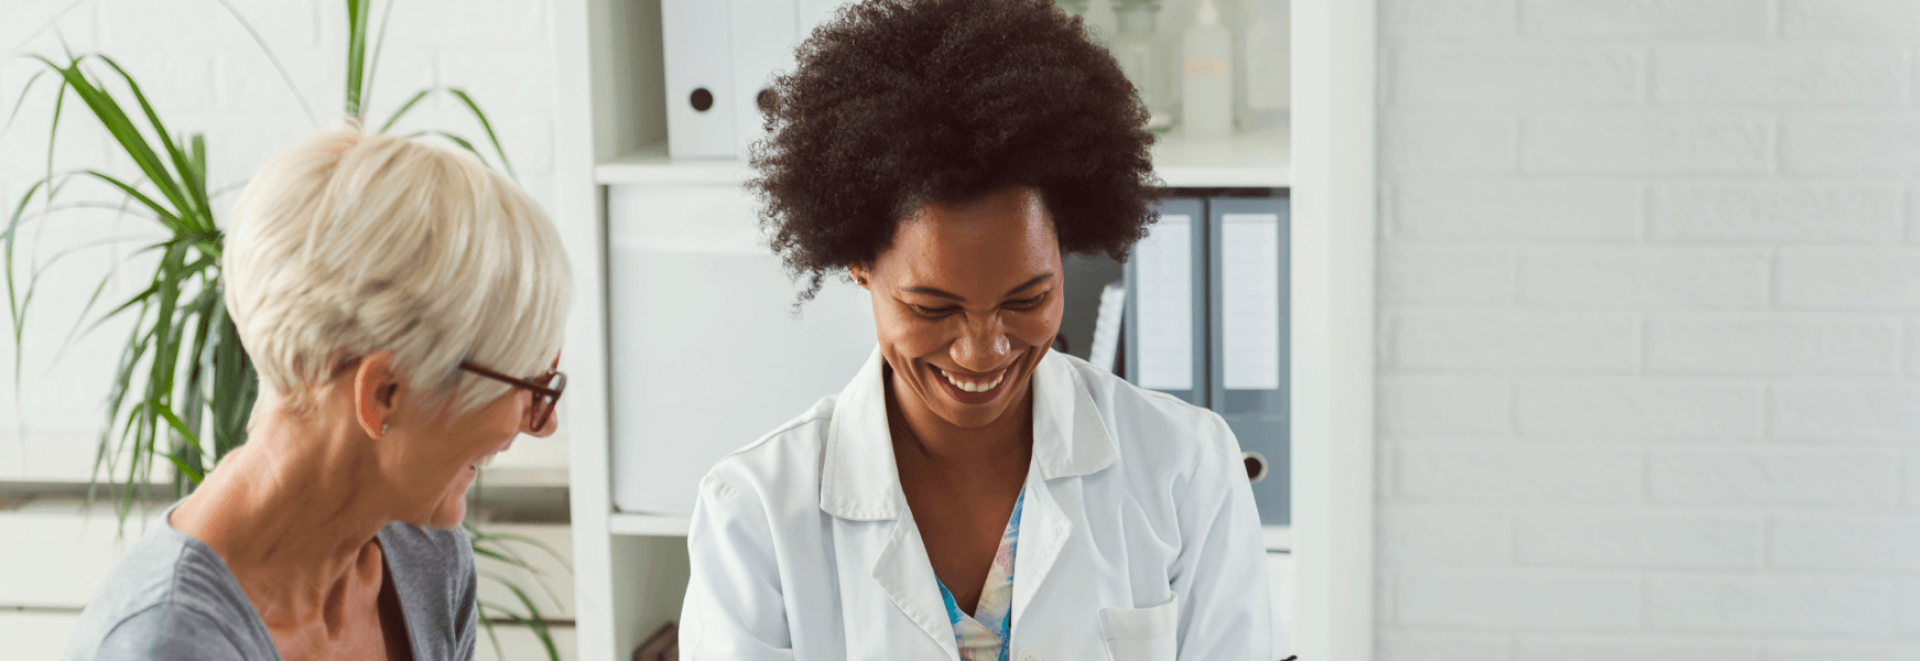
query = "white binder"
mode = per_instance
[
  {"x": 764, "y": 35},
  {"x": 701, "y": 95}
]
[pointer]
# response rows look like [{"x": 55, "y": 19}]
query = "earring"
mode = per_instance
[{"x": 383, "y": 428}]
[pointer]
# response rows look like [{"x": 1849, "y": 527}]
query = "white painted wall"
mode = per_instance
[
  {"x": 1648, "y": 336},
  {"x": 205, "y": 74}
]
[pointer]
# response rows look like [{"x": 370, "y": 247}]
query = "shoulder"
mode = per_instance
[
  {"x": 1148, "y": 423},
  {"x": 426, "y": 546},
  {"x": 169, "y": 597},
  {"x": 433, "y": 563},
  {"x": 433, "y": 571},
  {"x": 785, "y": 461},
  {"x": 168, "y": 632}
]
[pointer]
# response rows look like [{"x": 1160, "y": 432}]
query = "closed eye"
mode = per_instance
[
  {"x": 1027, "y": 303},
  {"x": 933, "y": 312}
]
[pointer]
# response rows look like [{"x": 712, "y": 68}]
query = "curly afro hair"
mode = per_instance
[{"x": 900, "y": 103}]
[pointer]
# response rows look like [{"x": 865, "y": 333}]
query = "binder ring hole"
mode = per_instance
[
  {"x": 1256, "y": 466},
  {"x": 702, "y": 99},
  {"x": 768, "y": 101}
]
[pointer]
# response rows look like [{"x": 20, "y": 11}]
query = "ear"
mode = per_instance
[
  {"x": 862, "y": 275},
  {"x": 376, "y": 393}
]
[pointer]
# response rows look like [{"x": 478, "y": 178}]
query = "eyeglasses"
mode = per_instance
[{"x": 546, "y": 389}]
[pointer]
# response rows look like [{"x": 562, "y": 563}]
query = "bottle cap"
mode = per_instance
[{"x": 1208, "y": 15}]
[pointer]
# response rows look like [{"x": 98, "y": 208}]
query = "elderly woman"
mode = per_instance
[
  {"x": 403, "y": 305},
  {"x": 971, "y": 494}
]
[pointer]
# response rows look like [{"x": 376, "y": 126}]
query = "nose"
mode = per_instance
[{"x": 983, "y": 345}]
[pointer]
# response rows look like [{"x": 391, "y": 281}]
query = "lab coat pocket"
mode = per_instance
[{"x": 1142, "y": 634}]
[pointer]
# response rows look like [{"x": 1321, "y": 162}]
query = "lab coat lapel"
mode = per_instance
[
  {"x": 1069, "y": 440},
  {"x": 904, "y": 572},
  {"x": 860, "y": 482}
]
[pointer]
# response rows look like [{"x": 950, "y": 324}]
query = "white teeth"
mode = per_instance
[{"x": 972, "y": 386}]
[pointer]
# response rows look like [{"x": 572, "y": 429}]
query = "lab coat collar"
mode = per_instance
[{"x": 859, "y": 480}]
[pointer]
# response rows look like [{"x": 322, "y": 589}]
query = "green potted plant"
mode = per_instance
[{"x": 184, "y": 386}]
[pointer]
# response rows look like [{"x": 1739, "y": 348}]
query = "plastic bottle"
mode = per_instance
[
  {"x": 1207, "y": 76},
  {"x": 1268, "y": 82},
  {"x": 1102, "y": 21},
  {"x": 1141, "y": 57}
]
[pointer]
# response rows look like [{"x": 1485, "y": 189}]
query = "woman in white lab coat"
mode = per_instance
[{"x": 971, "y": 494}]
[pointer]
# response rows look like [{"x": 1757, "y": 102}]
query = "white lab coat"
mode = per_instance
[{"x": 1138, "y": 542}]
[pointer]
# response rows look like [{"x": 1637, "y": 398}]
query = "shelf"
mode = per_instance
[
  {"x": 649, "y": 525},
  {"x": 1253, "y": 160},
  {"x": 1277, "y": 538},
  {"x": 523, "y": 476},
  {"x": 652, "y": 166},
  {"x": 1261, "y": 159}
]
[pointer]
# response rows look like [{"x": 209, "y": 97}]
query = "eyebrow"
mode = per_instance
[{"x": 942, "y": 293}]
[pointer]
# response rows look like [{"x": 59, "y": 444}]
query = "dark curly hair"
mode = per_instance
[{"x": 901, "y": 103}]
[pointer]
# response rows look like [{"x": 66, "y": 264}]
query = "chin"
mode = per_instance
[
  {"x": 970, "y": 417},
  {"x": 447, "y": 516}
]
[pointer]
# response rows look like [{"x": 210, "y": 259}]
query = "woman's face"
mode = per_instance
[
  {"x": 436, "y": 453},
  {"x": 967, "y": 301}
]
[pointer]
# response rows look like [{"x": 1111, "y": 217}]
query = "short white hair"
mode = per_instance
[{"x": 348, "y": 244}]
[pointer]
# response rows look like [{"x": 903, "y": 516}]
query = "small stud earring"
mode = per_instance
[{"x": 383, "y": 429}]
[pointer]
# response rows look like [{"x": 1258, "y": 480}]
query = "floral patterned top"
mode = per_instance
[{"x": 983, "y": 637}]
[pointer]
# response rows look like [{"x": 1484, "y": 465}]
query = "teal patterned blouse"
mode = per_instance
[{"x": 983, "y": 637}]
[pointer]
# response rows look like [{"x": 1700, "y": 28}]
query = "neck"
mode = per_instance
[
  {"x": 294, "y": 513},
  {"x": 1007, "y": 440}
]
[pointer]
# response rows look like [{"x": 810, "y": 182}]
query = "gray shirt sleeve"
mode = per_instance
[
  {"x": 168, "y": 632},
  {"x": 467, "y": 628}
]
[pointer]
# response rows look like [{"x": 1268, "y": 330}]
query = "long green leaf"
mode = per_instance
[
  {"x": 404, "y": 107},
  {"x": 534, "y": 620},
  {"x": 357, "y": 11},
  {"x": 185, "y": 469},
  {"x": 167, "y": 218},
  {"x": 131, "y": 140},
  {"x": 275, "y": 59},
  {"x": 373, "y": 65},
  {"x": 486, "y": 126},
  {"x": 21, "y": 101},
  {"x": 194, "y": 192}
]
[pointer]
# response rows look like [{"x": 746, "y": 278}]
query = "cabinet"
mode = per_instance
[{"x": 611, "y": 154}]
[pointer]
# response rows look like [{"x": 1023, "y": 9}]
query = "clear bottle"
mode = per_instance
[
  {"x": 1141, "y": 57},
  {"x": 1102, "y": 21},
  {"x": 1267, "y": 80},
  {"x": 1206, "y": 68}
]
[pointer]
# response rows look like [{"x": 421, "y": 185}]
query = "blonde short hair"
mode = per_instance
[{"x": 348, "y": 244}]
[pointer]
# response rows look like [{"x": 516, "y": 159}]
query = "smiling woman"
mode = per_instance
[
  {"x": 972, "y": 494},
  {"x": 403, "y": 304}
]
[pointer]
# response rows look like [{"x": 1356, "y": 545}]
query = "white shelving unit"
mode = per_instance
[
  {"x": 631, "y": 569},
  {"x": 1256, "y": 160}
]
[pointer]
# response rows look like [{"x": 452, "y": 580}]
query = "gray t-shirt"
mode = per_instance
[{"x": 172, "y": 598}]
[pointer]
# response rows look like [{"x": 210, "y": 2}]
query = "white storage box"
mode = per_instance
[{"x": 706, "y": 351}]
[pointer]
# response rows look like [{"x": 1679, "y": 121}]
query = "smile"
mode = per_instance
[
  {"x": 972, "y": 385},
  {"x": 487, "y": 458}
]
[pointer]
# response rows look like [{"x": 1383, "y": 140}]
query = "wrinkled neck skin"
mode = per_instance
[{"x": 295, "y": 514}]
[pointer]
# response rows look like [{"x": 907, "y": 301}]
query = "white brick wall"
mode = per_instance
[
  {"x": 205, "y": 74},
  {"x": 1650, "y": 330}
]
